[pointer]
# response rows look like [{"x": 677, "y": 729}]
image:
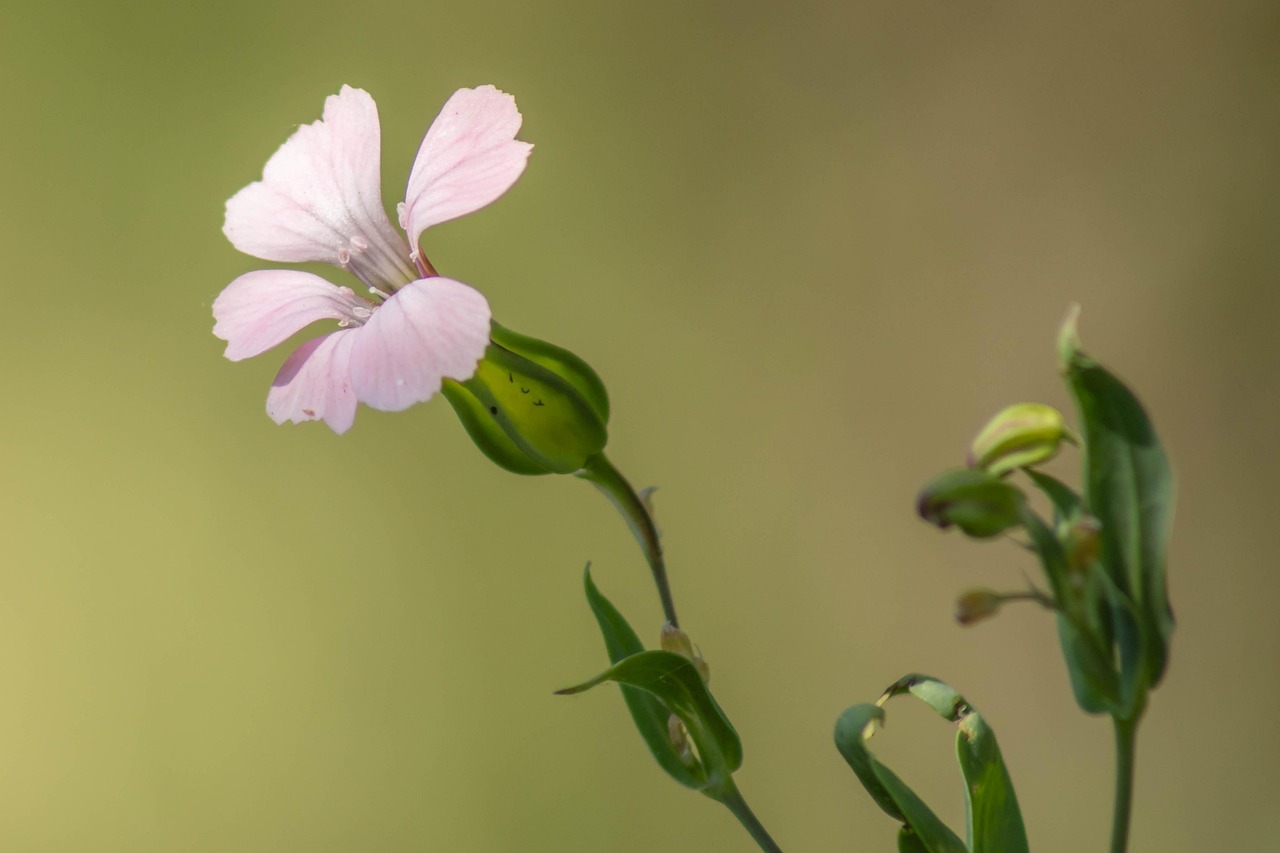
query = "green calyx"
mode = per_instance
[{"x": 532, "y": 407}]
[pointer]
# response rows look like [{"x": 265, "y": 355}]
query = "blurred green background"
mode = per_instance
[{"x": 810, "y": 247}]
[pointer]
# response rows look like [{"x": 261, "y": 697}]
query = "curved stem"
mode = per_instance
[
  {"x": 732, "y": 797},
  {"x": 1126, "y": 735},
  {"x": 600, "y": 472}
]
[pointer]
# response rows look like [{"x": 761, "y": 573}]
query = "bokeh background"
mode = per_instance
[{"x": 810, "y": 246}]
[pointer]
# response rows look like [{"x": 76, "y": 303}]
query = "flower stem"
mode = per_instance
[
  {"x": 732, "y": 798},
  {"x": 600, "y": 471},
  {"x": 1126, "y": 734}
]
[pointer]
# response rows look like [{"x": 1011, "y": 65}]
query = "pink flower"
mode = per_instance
[{"x": 320, "y": 200}]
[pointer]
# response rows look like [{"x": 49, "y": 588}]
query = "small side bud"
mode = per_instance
[
  {"x": 677, "y": 641},
  {"x": 976, "y": 605},
  {"x": 981, "y": 504},
  {"x": 1082, "y": 542},
  {"x": 1020, "y": 436},
  {"x": 679, "y": 737}
]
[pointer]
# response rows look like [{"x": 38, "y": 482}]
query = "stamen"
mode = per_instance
[
  {"x": 402, "y": 214},
  {"x": 359, "y": 243},
  {"x": 344, "y": 257}
]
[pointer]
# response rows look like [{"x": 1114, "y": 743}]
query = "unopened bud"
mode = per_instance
[
  {"x": 976, "y": 605},
  {"x": 980, "y": 504},
  {"x": 1020, "y": 436}
]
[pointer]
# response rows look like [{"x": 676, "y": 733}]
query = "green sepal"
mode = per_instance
[
  {"x": 542, "y": 413},
  {"x": 486, "y": 434},
  {"x": 1128, "y": 488},
  {"x": 648, "y": 713},
  {"x": 560, "y": 362}
]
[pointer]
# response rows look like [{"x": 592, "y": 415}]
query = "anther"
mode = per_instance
[
  {"x": 359, "y": 244},
  {"x": 402, "y": 214},
  {"x": 344, "y": 257}
]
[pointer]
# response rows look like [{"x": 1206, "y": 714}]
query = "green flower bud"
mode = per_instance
[
  {"x": 1022, "y": 435},
  {"x": 976, "y": 605},
  {"x": 980, "y": 504},
  {"x": 535, "y": 409}
]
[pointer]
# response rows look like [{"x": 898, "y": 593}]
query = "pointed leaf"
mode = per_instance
[
  {"x": 674, "y": 679},
  {"x": 1128, "y": 488},
  {"x": 649, "y": 714},
  {"x": 1066, "y": 503},
  {"x": 922, "y": 830}
]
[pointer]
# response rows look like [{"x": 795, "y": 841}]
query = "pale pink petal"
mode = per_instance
[
  {"x": 261, "y": 309},
  {"x": 468, "y": 159},
  {"x": 320, "y": 190},
  {"x": 314, "y": 383},
  {"x": 430, "y": 329}
]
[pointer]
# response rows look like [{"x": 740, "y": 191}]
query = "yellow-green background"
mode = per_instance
[{"x": 809, "y": 246}]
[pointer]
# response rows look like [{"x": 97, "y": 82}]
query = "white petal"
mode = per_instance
[
  {"x": 314, "y": 383},
  {"x": 320, "y": 190},
  {"x": 429, "y": 330},
  {"x": 469, "y": 158},
  {"x": 261, "y": 309}
]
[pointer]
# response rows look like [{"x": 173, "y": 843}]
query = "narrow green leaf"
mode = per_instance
[
  {"x": 1128, "y": 488},
  {"x": 1066, "y": 503},
  {"x": 1087, "y": 652},
  {"x": 649, "y": 714},
  {"x": 994, "y": 819},
  {"x": 674, "y": 679},
  {"x": 922, "y": 830}
]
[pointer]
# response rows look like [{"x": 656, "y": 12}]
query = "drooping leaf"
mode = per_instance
[
  {"x": 994, "y": 819},
  {"x": 674, "y": 680},
  {"x": 922, "y": 830},
  {"x": 649, "y": 714},
  {"x": 1128, "y": 488}
]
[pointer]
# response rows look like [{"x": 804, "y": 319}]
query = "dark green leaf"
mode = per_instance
[
  {"x": 995, "y": 821},
  {"x": 1128, "y": 488},
  {"x": 649, "y": 714},
  {"x": 674, "y": 679},
  {"x": 922, "y": 829}
]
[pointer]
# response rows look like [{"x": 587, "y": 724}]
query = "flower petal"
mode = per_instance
[
  {"x": 261, "y": 309},
  {"x": 320, "y": 190},
  {"x": 469, "y": 158},
  {"x": 431, "y": 329},
  {"x": 314, "y": 383}
]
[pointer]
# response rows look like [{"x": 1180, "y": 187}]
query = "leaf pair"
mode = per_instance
[
  {"x": 657, "y": 684},
  {"x": 993, "y": 818}
]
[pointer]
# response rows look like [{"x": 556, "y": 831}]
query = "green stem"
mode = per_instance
[
  {"x": 732, "y": 797},
  {"x": 600, "y": 472},
  {"x": 1126, "y": 735}
]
